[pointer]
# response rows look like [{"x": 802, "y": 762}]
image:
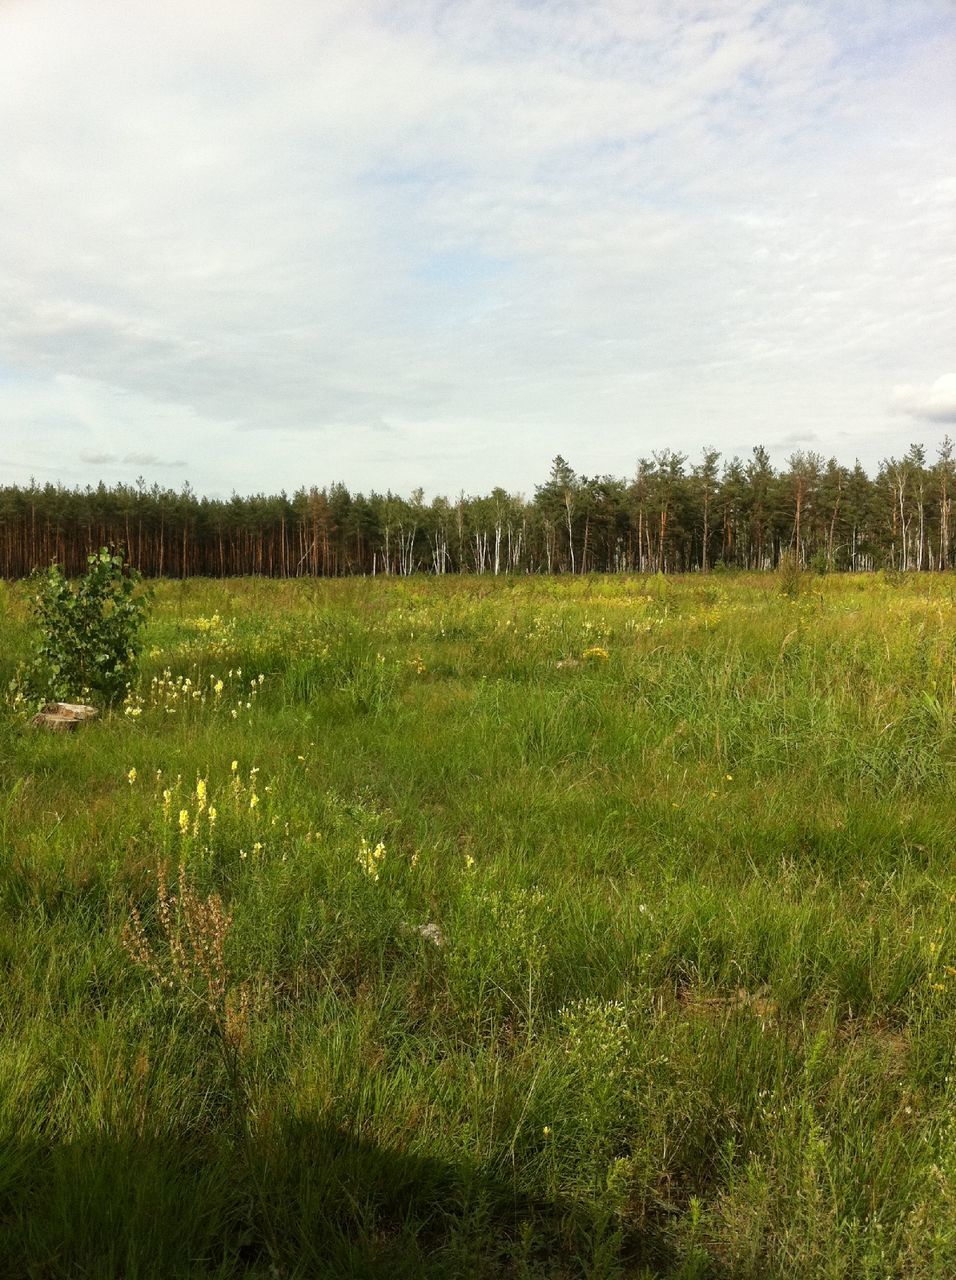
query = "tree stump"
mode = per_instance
[{"x": 63, "y": 717}]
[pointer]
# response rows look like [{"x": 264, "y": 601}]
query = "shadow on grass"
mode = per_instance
[{"x": 321, "y": 1203}]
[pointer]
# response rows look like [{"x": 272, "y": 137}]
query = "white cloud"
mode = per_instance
[
  {"x": 936, "y": 403},
  {"x": 251, "y": 236}
]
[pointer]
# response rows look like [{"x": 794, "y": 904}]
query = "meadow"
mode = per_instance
[{"x": 476, "y": 927}]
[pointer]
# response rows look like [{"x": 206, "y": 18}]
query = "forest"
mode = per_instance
[{"x": 671, "y": 517}]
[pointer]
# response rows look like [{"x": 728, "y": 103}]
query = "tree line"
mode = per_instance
[{"x": 672, "y": 516}]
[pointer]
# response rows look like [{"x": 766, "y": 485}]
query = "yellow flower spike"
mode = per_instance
[
  {"x": 184, "y": 821},
  {"x": 253, "y": 800},
  {"x": 234, "y": 766},
  {"x": 370, "y": 859},
  {"x": 213, "y": 815},
  {"x": 132, "y": 775}
]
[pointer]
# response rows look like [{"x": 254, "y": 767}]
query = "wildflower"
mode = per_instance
[
  {"x": 201, "y": 793},
  {"x": 213, "y": 815},
  {"x": 257, "y": 847},
  {"x": 234, "y": 766},
  {"x": 184, "y": 821},
  {"x": 370, "y": 859},
  {"x": 132, "y": 775},
  {"x": 217, "y": 688},
  {"x": 167, "y": 799},
  {"x": 546, "y": 1131},
  {"x": 728, "y": 777},
  {"x": 596, "y": 653},
  {"x": 469, "y": 862}
]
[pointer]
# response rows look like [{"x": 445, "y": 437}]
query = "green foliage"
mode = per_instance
[
  {"x": 819, "y": 562},
  {"x": 88, "y": 634}
]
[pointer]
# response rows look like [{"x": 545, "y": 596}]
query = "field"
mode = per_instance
[{"x": 472, "y": 927}]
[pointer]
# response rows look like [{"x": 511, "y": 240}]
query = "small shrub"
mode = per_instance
[
  {"x": 789, "y": 575},
  {"x": 88, "y": 633}
]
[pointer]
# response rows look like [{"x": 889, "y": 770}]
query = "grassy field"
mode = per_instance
[{"x": 538, "y": 928}]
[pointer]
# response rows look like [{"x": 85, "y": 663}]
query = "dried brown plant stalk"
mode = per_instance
[
  {"x": 188, "y": 959},
  {"x": 189, "y": 955}
]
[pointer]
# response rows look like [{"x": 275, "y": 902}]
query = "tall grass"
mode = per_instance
[{"x": 565, "y": 928}]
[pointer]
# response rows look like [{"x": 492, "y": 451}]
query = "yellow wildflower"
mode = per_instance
[
  {"x": 370, "y": 859},
  {"x": 596, "y": 653},
  {"x": 132, "y": 775}
]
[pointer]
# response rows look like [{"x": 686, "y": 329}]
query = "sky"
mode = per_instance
[{"x": 258, "y": 245}]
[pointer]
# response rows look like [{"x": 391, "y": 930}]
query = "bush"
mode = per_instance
[
  {"x": 820, "y": 562},
  {"x": 789, "y": 575},
  {"x": 88, "y": 633}
]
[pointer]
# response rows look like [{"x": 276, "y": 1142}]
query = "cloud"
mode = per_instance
[
  {"x": 936, "y": 403},
  {"x": 151, "y": 460},
  {"x": 258, "y": 237},
  {"x": 101, "y": 458}
]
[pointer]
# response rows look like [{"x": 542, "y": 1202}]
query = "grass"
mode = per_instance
[{"x": 689, "y": 1009}]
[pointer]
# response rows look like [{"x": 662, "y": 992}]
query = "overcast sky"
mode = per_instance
[{"x": 260, "y": 245}]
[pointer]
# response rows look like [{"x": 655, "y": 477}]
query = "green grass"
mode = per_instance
[{"x": 693, "y": 1012}]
